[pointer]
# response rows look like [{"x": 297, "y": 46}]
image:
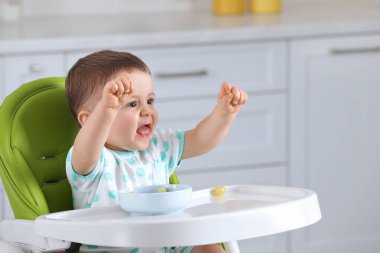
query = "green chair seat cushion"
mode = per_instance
[{"x": 37, "y": 130}]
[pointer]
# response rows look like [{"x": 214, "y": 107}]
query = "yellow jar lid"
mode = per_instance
[{"x": 228, "y": 7}]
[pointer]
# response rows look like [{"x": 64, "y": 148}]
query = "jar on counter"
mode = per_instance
[
  {"x": 265, "y": 6},
  {"x": 229, "y": 7}
]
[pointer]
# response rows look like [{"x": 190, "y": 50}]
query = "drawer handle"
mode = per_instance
[
  {"x": 196, "y": 73},
  {"x": 35, "y": 68},
  {"x": 359, "y": 50}
]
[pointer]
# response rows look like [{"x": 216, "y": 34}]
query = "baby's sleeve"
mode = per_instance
[
  {"x": 82, "y": 186},
  {"x": 170, "y": 145}
]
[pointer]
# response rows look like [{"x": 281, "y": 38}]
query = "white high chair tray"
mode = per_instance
[{"x": 244, "y": 211}]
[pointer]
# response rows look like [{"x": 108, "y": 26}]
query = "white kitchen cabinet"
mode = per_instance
[
  {"x": 257, "y": 136},
  {"x": 1, "y": 79},
  {"x": 5, "y": 208},
  {"x": 335, "y": 141},
  {"x": 193, "y": 71},
  {"x": 72, "y": 57},
  {"x": 199, "y": 70},
  {"x": 19, "y": 69},
  {"x": 187, "y": 80}
]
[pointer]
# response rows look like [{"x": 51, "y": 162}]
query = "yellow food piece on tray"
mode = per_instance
[
  {"x": 161, "y": 189},
  {"x": 218, "y": 190}
]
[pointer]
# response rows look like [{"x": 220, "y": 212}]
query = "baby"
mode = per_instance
[{"x": 118, "y": 146}]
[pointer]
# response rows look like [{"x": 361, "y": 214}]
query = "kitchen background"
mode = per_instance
[
  {"x": 38, "y": 8},
  {"x": 312, "y": 73}
]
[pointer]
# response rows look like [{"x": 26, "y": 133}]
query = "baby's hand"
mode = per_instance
[
  {"x": 116, "y": 92},
  {"x": 231, "y": 98}
]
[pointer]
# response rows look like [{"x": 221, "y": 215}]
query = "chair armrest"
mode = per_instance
[{"x": 22, "y": 232}]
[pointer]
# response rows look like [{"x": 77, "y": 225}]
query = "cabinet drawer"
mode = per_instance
[
  {"x": 23, "y": 68},
  {"x": 72, "y": 57},
  {"x": 200, "y": 70},
  {"x": 257, "y": 136}
]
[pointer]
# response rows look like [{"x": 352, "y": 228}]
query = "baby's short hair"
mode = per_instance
[{"x": 90, "y": 73}]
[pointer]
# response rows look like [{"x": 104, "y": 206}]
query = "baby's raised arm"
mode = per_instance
[
  {"x": 96, "y": 124},
  {"x": 212, "y": 129}
]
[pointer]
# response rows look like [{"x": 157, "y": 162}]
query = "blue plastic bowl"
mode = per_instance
[{"x": 148, "y": 200}]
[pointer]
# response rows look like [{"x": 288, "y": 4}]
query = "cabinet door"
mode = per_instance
[
  {"x": 335, "y": 141},
  {"x": 1, "y": 80},
  {"x": 5, "y": 208},
  {"x": 257, "y": 136},
  {"x": 19, "y": 69}
]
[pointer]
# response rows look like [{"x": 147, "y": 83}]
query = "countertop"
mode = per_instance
[{"x": 297, "y": 21}]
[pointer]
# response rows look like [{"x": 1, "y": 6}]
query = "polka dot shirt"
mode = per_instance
[{"x": 117, "y": 170}]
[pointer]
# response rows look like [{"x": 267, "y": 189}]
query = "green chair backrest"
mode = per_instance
[{"x": 36, "y": 132}]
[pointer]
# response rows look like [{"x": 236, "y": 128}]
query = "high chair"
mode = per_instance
[{"x": 37, "y": 130}]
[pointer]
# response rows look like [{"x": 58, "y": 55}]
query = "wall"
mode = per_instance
[
  {"x": 77, "y": 7},
  {"x": 31, "y": 8}
]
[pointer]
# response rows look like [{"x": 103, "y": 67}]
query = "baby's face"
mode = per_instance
[{"x": 135, "y": 122}]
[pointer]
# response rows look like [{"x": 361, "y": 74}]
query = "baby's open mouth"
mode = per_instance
[{"x": 144, "y": 130}]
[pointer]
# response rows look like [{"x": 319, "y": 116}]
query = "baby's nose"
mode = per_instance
[{"x": 146, "y": 111}]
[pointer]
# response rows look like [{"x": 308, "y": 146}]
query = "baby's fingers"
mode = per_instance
[
  {"x": 243, "y": 97},
  {"x": 127, "y": 84},
  {"x": 111, "y": 87},
  {"x": 225, "y": 88},
  {"x": 120, "y": 88},
  {"x": 114, "y": 87},
  {"x": 236, "y": 95}
]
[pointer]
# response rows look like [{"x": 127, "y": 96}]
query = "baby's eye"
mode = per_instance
[
  {"x": 132, "y": 104},
  {"x": 150, "y": 101}
]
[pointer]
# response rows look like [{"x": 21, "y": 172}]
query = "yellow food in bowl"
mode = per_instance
[{"x": 161, "y": 189}]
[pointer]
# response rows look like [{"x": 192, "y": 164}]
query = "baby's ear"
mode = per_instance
[{"x": 82, "y": 117}]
